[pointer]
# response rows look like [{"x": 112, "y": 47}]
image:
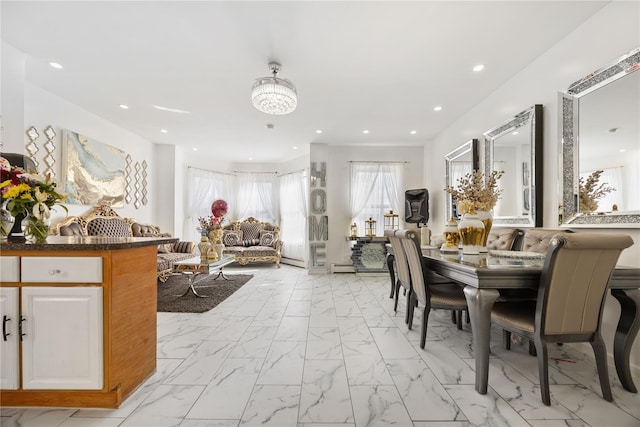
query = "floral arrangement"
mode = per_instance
[
  {"x": 28, "y": 193},
  {"x": 210, "y": 223},
  {"x": 473, "y": 193},
  {"x": 31, "y": 195},
  {"x": 590, "y": 190}
]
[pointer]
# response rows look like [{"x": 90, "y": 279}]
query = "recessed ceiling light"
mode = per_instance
[
  {"x": 56, "y": 65},
  {"x": 515, "y": 132},
  {"x": 124, "y": 107},
  {"x": 195, "y": 149},
  {"x": 319, "y": 131},
  {"x": 437, "y": 108},
  {"x": 365, "y": 131},
  {"x": 171, "y": 110},
  {"x": 478, "y": 67},
  {"x": 295, "y": 148},
  {"x": 163, "y": 130},
  {"x": 622, "y": 150},
  {"x": 413, "y": 132},
  {"x": 250, "y": 158}
]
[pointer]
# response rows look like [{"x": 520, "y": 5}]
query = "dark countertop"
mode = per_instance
[{"x": 74, "y": 243}]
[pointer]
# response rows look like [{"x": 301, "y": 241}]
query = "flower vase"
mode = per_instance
[
  {"x": 219, "y": 247},
  {"x": 35, "y": 229},
  {"x": 204, "y": 247},
  {"x": 470, "y": 229},
  {"x": 6, "y": 222},
  {"x": 487, "y": 220}
]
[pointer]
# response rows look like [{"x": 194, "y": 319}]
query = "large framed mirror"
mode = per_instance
[
  {"x": 600, "y": 136},
  {"x": 461, "y": 161},
  {"x": 515, "y": 147}
]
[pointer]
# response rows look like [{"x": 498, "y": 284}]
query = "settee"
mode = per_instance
[
  {"x": 104, "y": 221},
  {"x": 252, "y": 241}
]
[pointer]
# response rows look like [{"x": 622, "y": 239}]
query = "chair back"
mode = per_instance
[
  {"x": 410, "y": 242},
  {"x": 574, "y": 281},
  {"x": 402, "y": 268},
  {"x": 503, "y": 239},
  {"x": 537, "y": 239}
]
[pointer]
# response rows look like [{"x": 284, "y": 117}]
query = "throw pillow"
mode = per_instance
[
  {"x": 232, "y": 238},
  {"x": 184, "y": 247},
  {"x": 165, "y": 248},
  {"x": 250, "y": 242},
  {"x": 268, "y": 238}
]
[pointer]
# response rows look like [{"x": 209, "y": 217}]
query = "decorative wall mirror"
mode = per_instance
[
  {"x": 515, "y": 147},
  {"x": 601, "y": 132},
  {"x": 459, "y": 162}
]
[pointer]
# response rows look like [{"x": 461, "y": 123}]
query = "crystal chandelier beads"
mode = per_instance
[{"x": 273, "y": 95}]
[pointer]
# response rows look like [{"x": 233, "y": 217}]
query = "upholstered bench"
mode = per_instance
[
  {"x": 104, "y": 221},
  {"x": 252, "y": 241}
]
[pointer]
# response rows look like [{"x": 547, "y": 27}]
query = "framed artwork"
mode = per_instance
[{"x": 94, "y": 172}]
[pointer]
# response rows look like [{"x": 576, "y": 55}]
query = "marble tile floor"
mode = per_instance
[{"x": 290, "y": 349}]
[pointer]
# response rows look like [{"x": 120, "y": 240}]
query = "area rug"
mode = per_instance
[{"x": 170, "y": 293}]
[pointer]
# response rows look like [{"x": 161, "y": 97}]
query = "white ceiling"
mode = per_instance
[{"x": 358, "y": 65}]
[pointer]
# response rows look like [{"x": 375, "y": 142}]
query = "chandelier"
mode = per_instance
[{"x": 272, "y": 95}]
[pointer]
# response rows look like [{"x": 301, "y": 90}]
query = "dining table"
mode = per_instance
[{"x": 486, "y": 276}]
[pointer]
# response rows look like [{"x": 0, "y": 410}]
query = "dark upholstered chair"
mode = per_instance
[
  {"x": 448, "y": 296},
  {"x": 403, "y": 279},
  {"x": 570, "y": 300}
]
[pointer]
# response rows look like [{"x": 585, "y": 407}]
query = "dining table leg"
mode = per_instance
[
  {"x": 479, "y": 302},
  {"x": 628, "y": 327}
]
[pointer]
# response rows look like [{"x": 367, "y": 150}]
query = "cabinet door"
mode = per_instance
[
  {"x": 62, "y": 348},
  {"x": 9, "y": 366}
]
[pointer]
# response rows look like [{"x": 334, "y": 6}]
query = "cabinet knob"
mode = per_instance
[{"x": 54, "y": 272}]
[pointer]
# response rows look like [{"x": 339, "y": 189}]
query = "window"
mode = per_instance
[
  {"x": 256, "y": 196},
  {"x": 204, "y": 188},
  {"x": 293, "y": 188},
  {"x": 375, "y": 189}
]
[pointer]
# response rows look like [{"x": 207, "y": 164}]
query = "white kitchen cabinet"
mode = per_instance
[
  {"x": 61, "y": 331},
  {"x": 9, "y": 343},
  {"x": 62, "y": 342}
]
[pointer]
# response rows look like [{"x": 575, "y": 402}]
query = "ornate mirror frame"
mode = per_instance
[
  {"x": 570, "y": 118},
  {"x": 466, "y": 148},
  {"x": 531, "y": 118}
]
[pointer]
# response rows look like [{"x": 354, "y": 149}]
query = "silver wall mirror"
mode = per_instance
[
  {"x": 600, "y": 133},
  {"x": 459, "y": 162},
  {"x": 515, "y": 147}
]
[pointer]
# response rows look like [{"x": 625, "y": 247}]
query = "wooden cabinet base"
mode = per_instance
[{"x": 62, "y": 398}]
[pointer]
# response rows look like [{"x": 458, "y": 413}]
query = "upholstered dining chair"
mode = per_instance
[
  {"x": 504, "y": 239},
  {"x": 571, "y": 296},
  {"x": 403, "y": 278},
  {"x": 448, "y": 296}
]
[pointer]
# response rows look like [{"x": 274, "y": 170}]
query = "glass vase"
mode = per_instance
[
  {"x": 487, "y": 220},
  {"x": 6, "y": 221},
  {"x": 470, "y": 230},
  {"x": 35, "y": 229}
]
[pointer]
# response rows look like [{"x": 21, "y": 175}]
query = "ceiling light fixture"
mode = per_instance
[
  {"x": 437, "y": 108},
  {"x": 478, "y": 67},
  {"x": 272, "y": 95},
  {"x": 365, "y": 131},
  {"x": 56, "y": 65},
  {"x": 163, "y": 130},
  {"x": 124, "y": 107},
  {"x": 319, "y": 131},
  {"x": 171, "y": 110},
  {"x": 413, "y": 132}
]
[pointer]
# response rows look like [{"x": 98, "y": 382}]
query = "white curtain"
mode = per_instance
[
  {"x": 256, "y": 196},
  {"x": 375, "y": 189},
  {"x": 204, "y": 188},
  {"x": 293, "y": 214}
]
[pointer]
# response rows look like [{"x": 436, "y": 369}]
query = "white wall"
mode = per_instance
[
  {"x": 607, "y": 35},
  {"x": 338, "y": 182},
  {"x": 12, "y": 99}
]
